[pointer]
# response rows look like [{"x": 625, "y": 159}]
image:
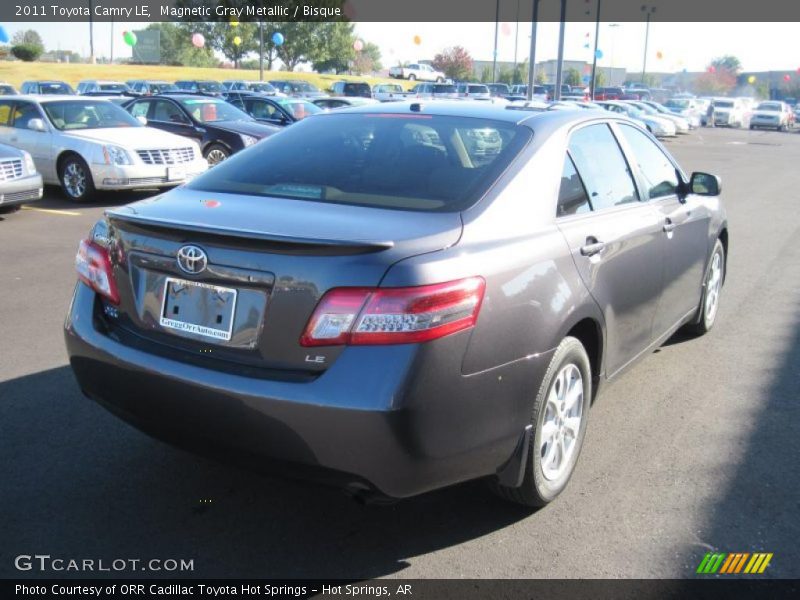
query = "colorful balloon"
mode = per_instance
[
  {"x": 751, "y": 79},
  {"x": 599, "y": 54},
  {"x": 198, "y": 40},
  {"x": 277, "y": 38},
  {"x": 358, "y": 45},
  {"x": 787, "y": 77},
  {"x": 234, "y": 23},
  {"x": 129, "y": 38},
  {"x": 659, "y": 55},
  {"x": 417, "y": 40},
  {"x": 505, "y": 28},
  {"x": 3, "y": 35},
  {"x": 237, "y": 41},
  {"x": 712, "y": 69}
]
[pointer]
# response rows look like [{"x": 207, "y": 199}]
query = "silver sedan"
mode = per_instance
[{"x": 19, "y": 180}]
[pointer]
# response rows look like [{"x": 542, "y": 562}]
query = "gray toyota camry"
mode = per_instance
[{"x": 401, "y": 297}]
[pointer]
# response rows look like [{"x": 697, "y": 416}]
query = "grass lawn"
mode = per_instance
[{"x": 15, "y": 72}]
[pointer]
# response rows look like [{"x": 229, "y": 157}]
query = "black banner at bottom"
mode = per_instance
[{"x": 418, "y": 589}]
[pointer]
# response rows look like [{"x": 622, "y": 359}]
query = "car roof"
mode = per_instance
[
  {"x": 44, "y": 98},
  {"x": 482, "y": 110}
]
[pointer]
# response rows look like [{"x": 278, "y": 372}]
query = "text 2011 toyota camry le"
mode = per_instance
[{"x": 400, "y": 297}]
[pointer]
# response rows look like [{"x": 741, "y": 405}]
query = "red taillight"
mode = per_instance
[
  {"x": 93, "y": 265},
  {"x": 359, "y": 316}
]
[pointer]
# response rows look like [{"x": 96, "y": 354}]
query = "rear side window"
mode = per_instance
[
  {"x": 5, "y": 112},
  {"x": 395, "y": 161},
  {"x": 572, "y": 198},
  {"x": 602, "y": 167},
  {"x": 657, "y": 171}
]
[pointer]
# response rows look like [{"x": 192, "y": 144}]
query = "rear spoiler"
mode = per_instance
[{"x": 355, "y": 246}]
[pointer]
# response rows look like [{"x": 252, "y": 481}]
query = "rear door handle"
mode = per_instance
[
  {"x": 592, "y": 247},
  {"x": 669, "y": 226}
]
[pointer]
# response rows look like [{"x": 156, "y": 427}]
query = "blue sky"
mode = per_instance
[{"x": 681, "y": 45}]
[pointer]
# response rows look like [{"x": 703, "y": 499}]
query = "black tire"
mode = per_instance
[
  {"x": 752, "y": 126},
  {"x": 7, "y": 210},
  {"x": 75, "y": 178},
  {"x": 536, "y": 489},
  {"x": 216, "y": 150},
  {"x": 412, "y": 77},
  {"x": 704, "y": 320},
  {"x": 439, "y": 80}
]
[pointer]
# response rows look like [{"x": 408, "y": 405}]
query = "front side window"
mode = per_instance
[
  {"x": 657, "y": 171},
  {"x": 167, "y": 112},
  {"x": 208, "y": 110},
  {"x": 259, "y": 109},
  {"x": 139, "y": 109},
  {"x": 85, "y": 114},
  {"x": 23, "y": 113},
  {"x": 403, "y": 162},
  {"x": 602, "y": 167}
]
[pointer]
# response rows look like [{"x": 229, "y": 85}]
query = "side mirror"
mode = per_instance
[
  {"x": 705, "y": 184},
  {"x": 142, "y": 119},
  {"x": 37, "y": 125}
]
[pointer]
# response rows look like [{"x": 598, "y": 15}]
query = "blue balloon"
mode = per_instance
[
  {"x": 277, "y": 38},
  {"x": 586, "y": 79},
  {"x": 3, "y": 35},
  {"x": 599, "y": 53}
]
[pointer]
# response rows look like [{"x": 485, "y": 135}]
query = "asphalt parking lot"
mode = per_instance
[{"x": 695, "y": 449}]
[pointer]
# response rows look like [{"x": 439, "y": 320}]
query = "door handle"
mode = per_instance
[
  {"x": 669, "y": 226},
  {"x": 592, "y": 247}
]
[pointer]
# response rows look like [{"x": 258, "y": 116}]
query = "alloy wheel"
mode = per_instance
[
  {"x": 712, "y": 287},
  {"x": 74, "y": 179},
  {"x": 562, "y": 422}
]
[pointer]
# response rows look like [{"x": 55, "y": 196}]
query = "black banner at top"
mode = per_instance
[{"x": 398, "y": 10}]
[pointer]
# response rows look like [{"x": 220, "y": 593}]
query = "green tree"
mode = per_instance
[
  {"x": 599, "y": 78},
  {"x": 540, "y": 77},
  {"x": 486, "y": 75},
  {"x": 28, "y": 37},
  {"x": 177, "y": 48},
  {"x": 26, "y": 52},
  {"x": 334, "y": 49},
  {"x": 572, "y": 76},
  {"x": 455, "y": 63},
  {"x": 368, "y": 60},
  {"x": 728, "y": 62}
]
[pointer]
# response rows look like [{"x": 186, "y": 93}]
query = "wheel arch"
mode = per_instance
[{"x": 590, "y": 333}]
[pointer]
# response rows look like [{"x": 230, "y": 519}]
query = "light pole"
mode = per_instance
[
  {"x": 532, "y": 55},
  {"x": 91, "y": 34},
  {"x": 496, "y": 31},
  {"x": 516, "y": 41},
  {"x": 261, "y": 50},
  {"x": 560, "y": 63},
  {"x": 648, "y": 10},
  {"x": 594, "y": 58}
]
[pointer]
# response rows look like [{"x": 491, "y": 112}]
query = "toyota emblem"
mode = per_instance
[{"x": 192, "y": 259}]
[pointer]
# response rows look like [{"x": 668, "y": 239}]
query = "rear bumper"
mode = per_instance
[
  {"x": 19, "y": 191},
  {"x": 400, "y": 419}
]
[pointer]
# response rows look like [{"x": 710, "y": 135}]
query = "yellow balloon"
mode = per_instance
[
  {"x": 751, "y": 79},
  {"x": 234, "y": 23},
  {"x": 417, "y": 40},
  {"x": 237, "y": 41}
]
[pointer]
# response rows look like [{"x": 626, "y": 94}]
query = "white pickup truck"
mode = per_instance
[
  {"x": 389, "y": 92},
  {"x": 419, "y": 72}
]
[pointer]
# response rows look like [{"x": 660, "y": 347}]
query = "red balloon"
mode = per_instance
[
  {"x": 787, "y": 77},
  {"x": 712, "y": 69}
]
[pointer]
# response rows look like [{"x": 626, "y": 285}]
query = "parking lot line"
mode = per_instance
[{"x": 53, "y": 211}]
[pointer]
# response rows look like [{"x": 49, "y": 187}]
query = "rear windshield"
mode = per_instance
[
  {"x": 394, "y": 161},
  {"x": 478, "y": 89},
  {"x": 54, "y": 88},
  {"x": 113, "y": 87},
  {"x": 357, "y": 87},
  {"x": 771, "y": 106},
  {"x": 443, "y": 88},
  {"x": 723, "y": 103}
]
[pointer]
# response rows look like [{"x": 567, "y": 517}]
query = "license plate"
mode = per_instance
[
  {"x": 198, "y": 308},
  {"x": 175, "y": 173}
]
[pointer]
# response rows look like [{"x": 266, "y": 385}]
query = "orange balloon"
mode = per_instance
[
  {"x": 659, "y": 55},
  {"x": 417, "y": 40}
]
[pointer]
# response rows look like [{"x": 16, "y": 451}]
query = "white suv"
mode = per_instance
[{"x": 729, "y": 112}]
